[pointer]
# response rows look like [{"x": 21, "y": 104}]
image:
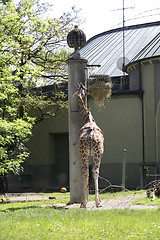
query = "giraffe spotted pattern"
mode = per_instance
[{"x": 90, "y": 144}]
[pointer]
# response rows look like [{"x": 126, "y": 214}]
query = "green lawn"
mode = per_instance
[
  {"x": 30, "y": 220},
  {"x": 147, "y": 201}
]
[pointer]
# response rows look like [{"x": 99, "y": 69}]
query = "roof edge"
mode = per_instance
[
  {"x": 131, "y": 65},
  {"x": 121, "y": 28}
]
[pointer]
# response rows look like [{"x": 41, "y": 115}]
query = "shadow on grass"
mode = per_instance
[{"x": 52, "y": 206}]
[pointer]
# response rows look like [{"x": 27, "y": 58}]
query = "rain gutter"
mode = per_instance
[{"x": 141, "y": 90}]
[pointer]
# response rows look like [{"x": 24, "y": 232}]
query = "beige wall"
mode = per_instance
[
  {"x": 148, "y": 85},
  {"x": 158, "y": 133},
  {"x": 41, "y": 170},
  {"x": 39, "y": 145},
  {"x": 157, "y": 108},
  {"x": 150, "y": 78},
  {"x": 121, "y": 122}
]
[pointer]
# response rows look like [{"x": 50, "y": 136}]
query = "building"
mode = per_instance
[{"x": 130, "y": 119}]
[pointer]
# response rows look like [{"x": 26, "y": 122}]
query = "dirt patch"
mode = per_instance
[
  {"x": 25, "y": 197},
  {"x": 121, "y": 202}
]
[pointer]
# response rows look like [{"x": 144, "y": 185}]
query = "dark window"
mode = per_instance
[{"x": 120, "y": 83}]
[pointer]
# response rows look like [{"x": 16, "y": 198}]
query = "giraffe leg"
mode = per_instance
[
  {"x": 85, "y": 191},
  {"x": 95, "y": 171},
  {"x": 85, "y": 169}
]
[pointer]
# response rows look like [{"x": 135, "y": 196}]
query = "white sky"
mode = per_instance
[{"x": 103, "y": 15}]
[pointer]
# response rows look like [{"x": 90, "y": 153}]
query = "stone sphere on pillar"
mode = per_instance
[{"x": 76, "y": 38}]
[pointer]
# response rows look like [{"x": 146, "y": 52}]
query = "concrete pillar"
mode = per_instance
[{"x": 76, "y": 73}]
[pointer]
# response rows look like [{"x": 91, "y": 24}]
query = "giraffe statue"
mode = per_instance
[{"x": 90, "y": 144}]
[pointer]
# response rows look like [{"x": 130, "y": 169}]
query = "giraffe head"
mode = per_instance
[{"x": 82, "y": 90}]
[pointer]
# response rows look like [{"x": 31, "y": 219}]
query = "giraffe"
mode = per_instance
[{"x": 90, "y": 144}]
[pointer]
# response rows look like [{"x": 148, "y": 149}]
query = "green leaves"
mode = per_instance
[
  {"x": 13, "y": 138},
  {"x": 32, "y": 51}
]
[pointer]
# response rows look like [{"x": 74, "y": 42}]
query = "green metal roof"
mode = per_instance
[
  {"x": 141, "y": 42},
  {"x": 152, "y": 49}
]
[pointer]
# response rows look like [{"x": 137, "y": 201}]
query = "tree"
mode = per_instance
[
  {"x": 32, "y": 50},
  {"x": 4, "y": 1}
]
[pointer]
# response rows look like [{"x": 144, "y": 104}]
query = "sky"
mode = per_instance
[{"x": 104, "y": 15}]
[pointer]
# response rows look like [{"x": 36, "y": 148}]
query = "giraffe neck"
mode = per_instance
[{"x": 86, "y": 114}]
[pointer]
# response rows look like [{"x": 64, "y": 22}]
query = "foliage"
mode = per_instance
[
  {"x": 13, "y": 151},
  {"x": 32, "y": 50},
  {"x": 4, "y": 1}
]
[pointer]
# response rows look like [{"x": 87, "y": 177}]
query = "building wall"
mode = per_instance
[
  {"x": 150, "y": 79},
  {"x": 134, "y": 82},
  {"x": 121, "y": 122},
  {"x": 149, "y": 111},
  {"x": 42, "y": 170},
  {"x": 157, "y": 108}
]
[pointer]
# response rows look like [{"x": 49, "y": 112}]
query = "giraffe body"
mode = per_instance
[{"x": 90, "y": 144}]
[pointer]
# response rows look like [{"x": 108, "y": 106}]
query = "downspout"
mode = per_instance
[
  {"x": 156, "y": 124},
  {"x": 141, "y": 96}
]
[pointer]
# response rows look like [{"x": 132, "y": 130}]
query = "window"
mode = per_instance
[{"x": 118, "y": 83}]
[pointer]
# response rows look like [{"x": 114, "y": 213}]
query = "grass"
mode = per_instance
[
  {"x": 147, "y": 201},
  {"x": 30, "y": 220}
]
